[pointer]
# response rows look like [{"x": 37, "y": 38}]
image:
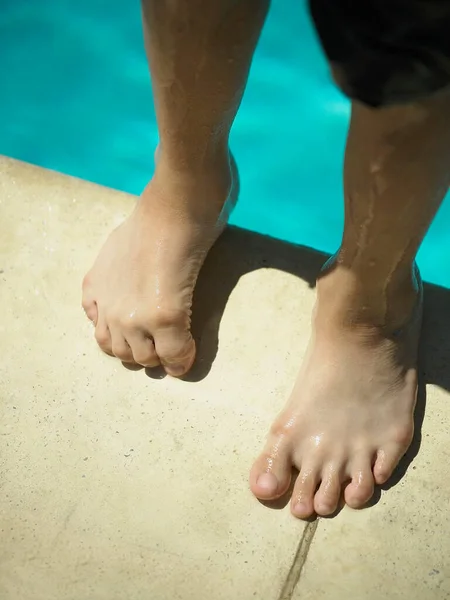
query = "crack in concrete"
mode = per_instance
[{"x": 293, "y": 577}]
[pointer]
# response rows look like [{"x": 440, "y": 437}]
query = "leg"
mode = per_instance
[
  {"x": 139, "y": 291},
  {"x": 350, "y": 416}
]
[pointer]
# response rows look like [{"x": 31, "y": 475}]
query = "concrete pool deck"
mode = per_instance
[{"x": 117, "y": 484}]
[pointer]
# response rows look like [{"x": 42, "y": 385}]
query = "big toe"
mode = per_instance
[
  {"x": 270, "y": 476},
  {"x": 175, "y": 348}
]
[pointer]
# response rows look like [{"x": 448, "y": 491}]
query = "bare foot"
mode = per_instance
[
  {"x": 350, "y": 416},
  {"x": 139, "y": 291}
]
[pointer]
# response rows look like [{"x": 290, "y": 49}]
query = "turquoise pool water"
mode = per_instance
[{"x": 75, "y": 96}]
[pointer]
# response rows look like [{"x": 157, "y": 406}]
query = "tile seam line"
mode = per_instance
[{"x": 301, "y": 554}]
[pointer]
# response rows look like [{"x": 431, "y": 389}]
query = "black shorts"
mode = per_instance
[{"x": 386, "y": 51}]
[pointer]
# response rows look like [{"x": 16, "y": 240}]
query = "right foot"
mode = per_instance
[
  {"x": 139, "y": 292},
  {"x": 350, "y": 415}
]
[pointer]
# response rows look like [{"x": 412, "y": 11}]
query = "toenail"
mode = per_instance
[
  {"x": 381, "y": 477},
  {"x": 324, "y": 509},
  {"x": 355, "y": 502},
  {"x": 175, "y": 370},
  {"x": 267, "y": 482},
  {"x": 301, "y": 509},
  {"x": 90, "y": 319}
]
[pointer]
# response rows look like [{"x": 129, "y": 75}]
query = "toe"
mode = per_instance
[
  {"x": 327, "y": 496},
  {"x": 270, "y": 475},
  {"x": 103, "y": 336},
  {"x": 90, "y": 308},
  {"x": 88, "y": 301},
  {"x": 386, "y": 461},
  {"x": 120, "y": 347},
  {"x": 89, "y": 305},
  {"x": 175, "y": 348},
  {"x": 360, "y": 490},
  {"x": 143, "y": 350},
  {"x": 302, "y": 502}
]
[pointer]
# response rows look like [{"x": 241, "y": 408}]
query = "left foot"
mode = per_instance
[
  {"x": 139, "y": 292},
  {"x": 350, "y": 416}
]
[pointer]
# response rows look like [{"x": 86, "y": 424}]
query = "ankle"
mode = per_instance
[
  {"x": 213, "y": 168},
  {"x": 199, "y": 191},
  {"x": 359, "y": 301},
  {"x": 193, "y": 161}
]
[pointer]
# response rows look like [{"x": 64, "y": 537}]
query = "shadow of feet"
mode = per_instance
[
  {"x": 236, "y": 253},
  {"x": 434, "y": 358}
]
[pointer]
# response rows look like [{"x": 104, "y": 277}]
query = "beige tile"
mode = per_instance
[
  {"x": 116, "y": 485},
  {"x": 400, "y": 548}
]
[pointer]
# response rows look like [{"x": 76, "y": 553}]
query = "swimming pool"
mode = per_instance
[{"x": 75, "y": 97}]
